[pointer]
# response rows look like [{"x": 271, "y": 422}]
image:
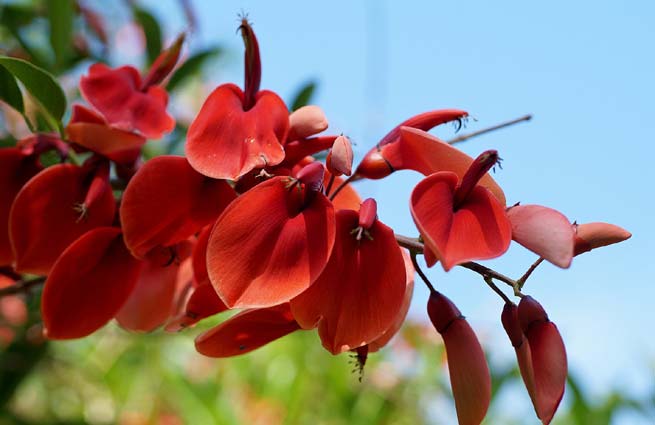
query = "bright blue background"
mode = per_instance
[{"x": 584, "y": 69}]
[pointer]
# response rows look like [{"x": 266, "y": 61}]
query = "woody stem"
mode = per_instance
[
  {"x": 424, "y": 278},
  {"x": 526, "y": 275}
]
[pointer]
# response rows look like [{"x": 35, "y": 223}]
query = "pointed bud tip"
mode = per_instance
[{"x": 368, "y": 213}]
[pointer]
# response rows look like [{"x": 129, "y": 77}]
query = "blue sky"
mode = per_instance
[{"x": 584, "y": 69}]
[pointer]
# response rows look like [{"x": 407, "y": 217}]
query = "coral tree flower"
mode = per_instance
[
  {"x": 237, "y": 131},
  {"x": 129, "y": 102},
  {"x": 469, "y": 373},
  {"x": 461, "y": 220},
  {"x": 361, "y": 292},
  {"x": 590, "y": 236},
  {"x": 272, "y": 242}
]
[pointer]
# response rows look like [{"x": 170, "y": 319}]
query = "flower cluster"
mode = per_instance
[{"x": 250, "y": 219}]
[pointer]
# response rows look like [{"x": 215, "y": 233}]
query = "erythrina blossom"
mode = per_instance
[
  {"x": 237, "y": 131},
  {"x": 590, "y": 236},
  {"x": 361, "y": 291},
  {"x": 460, "y": 220}
]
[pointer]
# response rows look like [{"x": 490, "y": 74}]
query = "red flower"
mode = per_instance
[
  {"x": 361, "y": 292},
  {"x": 237, "y": 131},
  {"x": 272, "y": 242},
  {"x": 461, "y": 220}
]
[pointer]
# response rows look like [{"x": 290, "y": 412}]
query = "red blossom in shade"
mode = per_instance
[
  {"x": 361, "y": 292},
  {"x": 544, "y": 231},
  {"x": 90, "y": 131},
  {"x": 590, "y": 236},
  {"x": 68, "y": 201},
  {"x": 152, "y": 301},
  {"x": 247, "y": 331},
  {"x": 237, "y": 131},
  {"x": 469, "y": 373},
  {"x": 167, "y": 201},
  {"x": 461, "y": 220},
  {"x": 88, "y": 284},
  {"x": 272, "y": 243},
  {"x": 548, "y": 356}
]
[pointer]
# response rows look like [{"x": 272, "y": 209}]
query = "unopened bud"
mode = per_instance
[{"x": 340, "y": 159}]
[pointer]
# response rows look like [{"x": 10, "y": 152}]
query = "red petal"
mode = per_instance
[
  {"x": 360, "y": 293},
  {"x": 247, "y": 331},
  {"x": 419, "y": 151},
  {"x": 544, "y": 231},
  {"x": 15, "y": 170},
  {"x": 267, "y": 247},
  {"x": 115, "y": 93},
  {"x": 225, "y": 142},
  {"x": 167, "y": 201},
  {"x": 151, "y": 302},
  {"x": 118, "y": 145},
  {"x": 595, "y": 235},
  {"x": 478, "y": 230},
  {"x": 548, "y": 357},
  {"x": 383, "y": 339},
  {"x": 199, "y": 257},
  {"x": 44, "y": 210},
  {"x": 347, "y": 198},
  {"x": 469, "y": 374},
  {"x": 202, "y": 302},
  {"x": 88, "y": 284},
  {"x": 297, "y": 150}
]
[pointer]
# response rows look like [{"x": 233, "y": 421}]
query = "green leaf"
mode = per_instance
[
  {"x": 304, "y": 95},
  {"x": 41, "y": 85},
  {"x": 151, "y": 30},
  {"x": 60, "y": 14},
  {"x": 192, "y": 66},
  {"x": 9, "y": 90}
]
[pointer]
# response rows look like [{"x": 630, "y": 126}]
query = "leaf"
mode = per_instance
[
  {"x": 304, "y": 95},
  {"x": 9, "y": 91},
  {"x": 41, "y": 85},
  {"x": 60, "y": 14},
  {"x": 151, "y": 30},
  {"x": 191, "y": 67}
]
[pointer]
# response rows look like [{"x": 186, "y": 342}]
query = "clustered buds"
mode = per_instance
[{"x": 252, "y": 219}]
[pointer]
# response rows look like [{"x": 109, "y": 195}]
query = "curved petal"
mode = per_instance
[
  {"x": 360, "y": 293},
  {"x": 544, "y": 231},
  {"x": 152, "y": 300},
  {"x": 384, "y": 339},
  {"x": 595, "y": 235},
  {"x": 225, "y": 142},
  {"x": 46, "y": 210},
  {"x": 478, "y": 230},
  {"x": 115, "y": 93},
  {"x": 201, "y": 303},
  {"x": 347, "y": 198},
  {"x": 88, "y": 284},
  {"x": 247, "y": 331},
  {"x": 270, "y": 244},
  {"x": 15, "y": 170},
  {"x": 199, "y": 257},
  {"x": 420, "y": 151},
  {"x": 167, "y": 201},
  {"x": 306, "y": 121},
  {"x": 548, "y": 357},
  {"x": 469, "y": 374},
  {"x": 296, "y": 151}
]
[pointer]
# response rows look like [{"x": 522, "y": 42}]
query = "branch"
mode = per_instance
[
  {"x": 464, "y": 137},
  {"x": 21, "y": 286}
]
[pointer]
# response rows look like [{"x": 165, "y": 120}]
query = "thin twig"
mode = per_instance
[
  {"x": 526, "y": 275},
  {"x": 329, "y": 186},
  {"x": 467, "y": 136},
  {"x": 496, "y": 289},
  {"x": 420, "y": 273},
  {"x": 21, "y": 286},
  {"x": 341, "y": 186}
]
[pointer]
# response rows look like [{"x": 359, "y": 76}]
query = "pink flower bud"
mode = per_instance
[
  {"x": 340, "y": 159},
  {"x": 306, "y": 121}
]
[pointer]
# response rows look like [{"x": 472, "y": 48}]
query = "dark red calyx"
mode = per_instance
[
  {"x": 530, "y": 312},
  {"x": 38, "y": 144},
  {"x": 510, "y": 320},
  {"x": 442, "y": 311},
  {"x": 476, "y": 171},
  {"x": 99, "y": 183},
  {"x": 253, "y": 64},
  {"x": 311, "y": 175},
  {"x": 164, "y": 64}
]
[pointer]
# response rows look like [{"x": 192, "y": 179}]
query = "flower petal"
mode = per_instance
[
  {"x": 167, "y": 201},
  {"x": 201, "y": 303},
  {"x": 595, "y": 235},
  {"x": 45, "y": 210},
  {"x": 360, "y": 293},
  {"x": 478, "y": 230},
  {"x": 544, "y": 231},
  {"x": 270, "y": 244},
  {"x": 469, "y": 374},
  {"x": 306, "y": 121},
  {"x": 247, "y": 331},
  {"x": 88, "y": 284},
  {"x": 225, "y": 142}
]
